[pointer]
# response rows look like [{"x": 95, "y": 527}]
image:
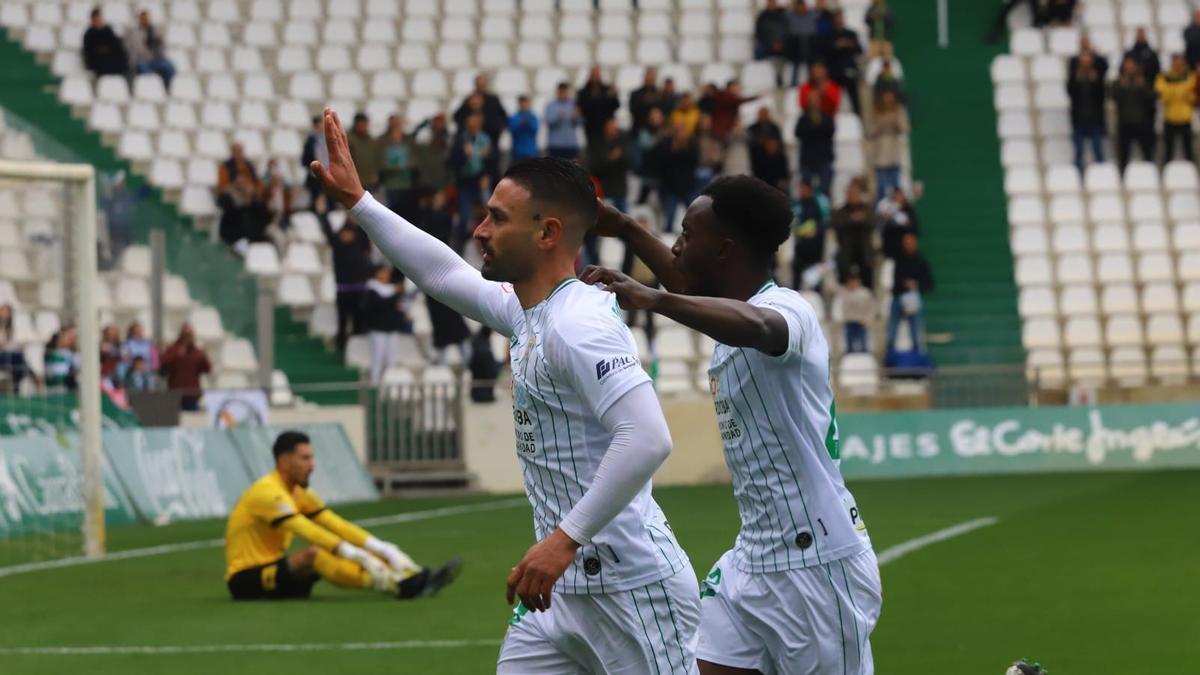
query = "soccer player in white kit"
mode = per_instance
[
  {"x": 606, "y": 589},
  {"x": 799, "y": 592}
]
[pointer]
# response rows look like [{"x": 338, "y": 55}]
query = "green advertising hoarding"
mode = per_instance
[
  {"x": 1019, "y": 440},
  {"x": 48, "y": 415}
]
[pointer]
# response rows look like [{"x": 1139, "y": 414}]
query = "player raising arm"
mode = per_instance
[
  {"x": 799, "y": 592},
  {"x": 606, "y": 588},
  {"x": 280, "y": 505}
]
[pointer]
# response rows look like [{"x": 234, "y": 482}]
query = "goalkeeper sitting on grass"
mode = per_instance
[{"x": 281, "y": 504}]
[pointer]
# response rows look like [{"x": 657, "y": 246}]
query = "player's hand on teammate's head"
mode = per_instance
[
  {"x": 340, "y": 178},
  {"x": 610, "y": 221},
  {"x": 630, "y": 294}
]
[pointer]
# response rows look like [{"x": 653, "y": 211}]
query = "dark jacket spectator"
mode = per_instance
[
  {"x": 1144, "y": 55},
  {"x": 642, "y": 99},
  {"x": 365, "y": 151},
  {"x": 1191, "y": 41},
  {"x": 352, "y": 267},
  {"x": 382, "y": 308},
  {"x": 854, "y": 226},
  {"x": 523, "y": 125},
  {"x": 764, "y": 128},
  {"x": 679, "y": 155},
  {"x": 842, "y": 60},
  {"x": 608, "y": 160},
  {"x": 1086, "y": 90},
  {"x": 770, "y": 32},
  {"x": 432, "y": 155},
  {"x": 811, "y": 223},
  {"x": 495, "y": 117},
  {"x": 314, "y": 150},
  {"x": 815, "y": 132},
  {"x": 898, "y": 217},
  {"x": 103, "y": 51},
  {"x": 182, "y": 364},
  {"x": 241, "y": 198},
  {"x": 726, "y": 106},
  {"x": 769, "y": 164},
  {"x": 1099, "y": 62},
  {"x": 801, "y": 37},
  {"x": 598, "y": 102},
  {"x": 484, "y": 367},
  {"x": 1058, "y": 12},
  {"x": 911, "y": 266},
  {"x": 1135, "y": 101}
]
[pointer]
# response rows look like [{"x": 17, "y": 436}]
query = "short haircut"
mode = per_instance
[
  {"x": 557, "y": 181},
  {"x": 287, "y": 442},
  {"x": 758, "y": 214},
  {"x": 360, "y": 117}
]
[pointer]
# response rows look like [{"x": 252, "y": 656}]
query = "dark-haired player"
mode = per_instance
[
  {"x": 799, "y": 592},
  {"x": 280, "y": 505},
  {"x": 606, "y": 589}
]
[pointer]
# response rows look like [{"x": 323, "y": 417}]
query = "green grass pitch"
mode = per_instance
[{"x": 1095, "y": 574}]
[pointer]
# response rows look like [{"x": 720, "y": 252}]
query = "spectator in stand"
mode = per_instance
[
  {"x": 712, "y": 153},
  {"x": 854, "y": 226},
  {"x": 12, "y": 358},
  {"x": 397, "y": 170},
  {"x": 182, "y": 364},
  {"x": 352, "y": 267},
  {"x": 562, "y": 118},
  {"x": 764, "y": 128},
  {"x": 1099, "y": 62},
  {"x": 801, "y": 36},
  {"x": 147, "y": 51},
  {"x": 495, "y": 119},
  {"x": 815, "y": 132},
  {"x": 484, "y": 367},
  {"x": 680, "y": 155},
  {"x": 608, "y": 161},
  {"x": 383, "y": 313},
  {"x": 649, "y": 160},
  {"x": 859, "y": 309},
  {"x": 62, "y": 361},
  {"x": 598, "y": 103},
  {"x": 1135, "y": 101},
  {"x": 888, "y": 81},
  {"x": 885, "y": 56},
  {"x": 1057, "y": 13},
  {"x": 888, "y": 129},
  {"x": 364, "y": 150},
  {"x": 818, "y": 81},
  {"x": 880, "y": 23},
  {"x": 686, "y": 113},
  {"x": 432, "y": 155},
  {"x": 523, "y": 125},
  {"x": 669, "y": 98},
  {"x": 726, "y": 106},
  {"x": 139, "y": 377},
  {"x": 1191, "y": 41},
  {"x": 1177, "y": 90},
  {"x": 911, "y": 280},
  {"x": 448, "y": 325},
  {"x": 769, "y": 164},
  {"x": 1144, "y": 55},
  {"x": 138, "y": 345},
  {"x": 642, "y": 99},
  {"x": 469, "y": 157},
  {"x": 240, "y": 196},
  {"x": 277, "y": 200},
  {"x": 1086, "y": 90},
  {"x": 314, "y": 150},
  {"x": 898, "y": 218},
  {"x": 809, "y": 229},
  {"x": 110, "y": 351},
  {"x": 708, "y": 99},
  {"x": 842, "y": 60},
  {"x": 770, "y": 37},
  {"x": 103, "y": 51}
]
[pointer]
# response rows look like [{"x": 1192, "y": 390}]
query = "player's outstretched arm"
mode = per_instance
[
  {"x": 396, "y": 559},
  {"x": 434, "y": 267},
  {"x": 730, "y": 322},
  {"x": 611, "y": 222}
]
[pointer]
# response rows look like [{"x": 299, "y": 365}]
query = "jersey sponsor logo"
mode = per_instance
[
  {"x": 606, "y": 368},
  {"x": 520, "y": 394}
]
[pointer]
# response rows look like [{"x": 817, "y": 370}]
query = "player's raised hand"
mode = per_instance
[
  {"x": 611, "y": 221},
  {"x": 544, "y": 563},
  {"x": 340, "y": 178},
  {"x": 630, "y": 294}
]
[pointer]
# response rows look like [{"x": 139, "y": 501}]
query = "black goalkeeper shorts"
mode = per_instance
[{"x": 273, "y": 581}]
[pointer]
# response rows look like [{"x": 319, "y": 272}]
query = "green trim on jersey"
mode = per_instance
[{"x": 558, "y": 288}]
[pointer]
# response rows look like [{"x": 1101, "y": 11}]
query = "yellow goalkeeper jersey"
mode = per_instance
[{"x": 262, "y": 523}]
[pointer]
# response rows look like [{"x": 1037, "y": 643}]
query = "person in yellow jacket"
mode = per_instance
[
  {"x": 280, "y": 505},
  {"x": 1176, "y": 89}
]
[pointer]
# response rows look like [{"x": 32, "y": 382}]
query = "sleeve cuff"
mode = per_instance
[
  {"x": 363, "y": 204},
  {"x": 573, "y": 531}
]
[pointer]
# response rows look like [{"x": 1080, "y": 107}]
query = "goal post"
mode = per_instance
[{"x": 80, "y": 192}]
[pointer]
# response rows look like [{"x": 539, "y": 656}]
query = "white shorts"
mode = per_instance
[
  {"x": 815, "y": 621},
  {"x": 648, "y": 630}
]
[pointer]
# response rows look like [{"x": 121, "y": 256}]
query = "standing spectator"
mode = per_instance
[
  {"x": 315, "y": 150},
  {"x": 397, "y": 170},
  {"x": 885, "y": 56},
  {"x": 183, "y": 363},
  {"x": 680, "y": 156},
  {"x": 240, "y": 195},
  {"x": 523, "y": 125},
  {"x": 669, "y": 98},
  {"x": 62, "y": 360},
  {"x": 642, "y": 99},
  {"x": 855, "y": 228},
  {"x": 770, "y": 37},
  {"x": 842, "y": 60},
  {"x": 448, "y": 325},
  {"x": 352, "y": 267},
  {"x": 859, "y": 310},
  {"x": 888, "y": 80},
  {"x": 769, "y": 164},
  {"x": 880, "y": 23},
  {"x": 1191, "y": 41},
  {"x": 888, "y": 130},
  {"x": 138, "y": 345},
  {"x": 809, "y": 229},
  {"x": 712, "y": 153},
  {"x": 815, "y": 132},
  {"x": 1144, "y": 55},
  {"x": 764, "y": 128},
  {"x": 103, "y": 51},
  {"x": 1086, "y": 90},
  {"x": 1177, "y": 90},
  {"x": 598, "y": 103},
  {"x": 432, "y": 155},
  {"x": 383, "y": 314},
  {"x": 562, "y": 118},
  {"x": 649, "y": 167},
  {"x": 485, "y": 369},
  {"x": 469, "y": 159},
  {"x": 911, "y": 280},
  {"x": 277, "y": 199},
  {"x": 364, "y": 150},
  {"x": 147, "y": 51},
  {"x": 608, "y": 160},
  {"x": 1099, "y": 62},
  {"x": 139, "y": 377},
  {"x": 802, "y": 33},
  {"x": 726, "y": 106},
  {"x": 637, "y": 269},
  {"x": 110, "y": 351},
  {"x": 686, "y": 113},
  {"x": 1136, "y": 102},
  {"x": 708, "y": 99},
  {"x": 898, "y": 218},
  {"x": 495, "y": 119},
  {"x": 818, "y": 81},
  {"x": 12, "y": 358}
]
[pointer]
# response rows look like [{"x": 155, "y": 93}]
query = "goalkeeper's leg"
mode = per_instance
[{"x": 349, "y": 574}]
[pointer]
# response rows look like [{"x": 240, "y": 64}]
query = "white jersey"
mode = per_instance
[
  {"x": 777, "y": 420},
  {"x": 572, "y": 358}
]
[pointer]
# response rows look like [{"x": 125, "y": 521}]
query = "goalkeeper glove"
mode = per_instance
[
  {"x": 397, "y": 559},
  {"x": 381, "y": 577}
]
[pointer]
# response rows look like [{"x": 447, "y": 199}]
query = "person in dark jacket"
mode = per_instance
[
  {"x": 598, "y": 103},
  {"x": 1191, "y": 41},
  {"x": 898, "y": 218},
  {"x": 679, "y": 155},
  {"x": 842, "y": 60},
  {"x": 608, "y": 161},
  {"x": 182, "y": 364},
  {"x": 315, "y": 150},
  {"x": 770, "y": 165},
  {"x": 485, "y": 369},
  {"x": 103, "y": 51},
  {"x": 1135, "y": 101},
  {"x": 815, "y": 131},
  {"x": 495, "y": 120},
  {"x": 809, "y": 228},
  {"x": 912, "y": 279},
  {"x": 770, "y": 37},
  {"x": 854, "y": 225},
  {"x": 383, "y": 314},
  {"x": 1086, "y": 89},
  {"x": 642, "y": 99},
  {"x": 1144, "y": 55},
  {"x": 352, "y": 267}
]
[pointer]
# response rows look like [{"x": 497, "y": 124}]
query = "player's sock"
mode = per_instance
[{"x": 348, "y": 574}]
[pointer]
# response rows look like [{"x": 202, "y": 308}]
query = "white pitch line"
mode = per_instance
[
  {"x": 118, "y": 650},
  {"x": 902, "y": 549},
  {"x": 410, "y": 517}
]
